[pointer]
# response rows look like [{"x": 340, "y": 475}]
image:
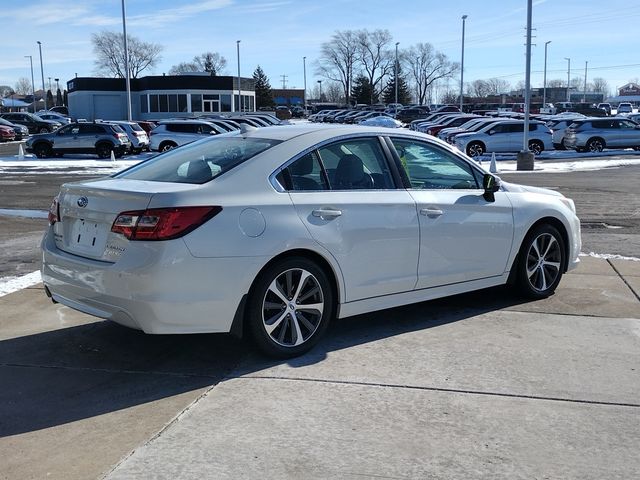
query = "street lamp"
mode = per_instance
[
  {"x": 57, "y": 89},
  {"x": 464, "y": 18},
  {"x": 126, "y": 62},
  {"x": 320, "y": 83},
  {"x": 33, "y": 85},
  {"x": 42, "y": 73},
  {"x": 568, "y": 77},
  {"x": 584, "y": 93},
  {"x": 304, "y": 95},
  {"x": 544, "y": 83},
  {"x": 239, "y": 97},
  {"x": 395, "y": 107}
]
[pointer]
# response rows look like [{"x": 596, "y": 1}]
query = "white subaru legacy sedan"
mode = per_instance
[{"x": 274, "y": 232}]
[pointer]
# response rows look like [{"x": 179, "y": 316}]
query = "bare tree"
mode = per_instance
[
  {"x": 426, "y": 65},
  {"x": 556, "y": 83},
  {"x": 333, "y": 93},
  {"x": 490, "y": 87},
  {"x": 5, "y": 91},
  {"x": 109, "y": 50},
  {"x": 211, "y": 62},
  {"x": 477, "y": 88},
  {"x": 600, "y": 85},
  {"x": 23, "y": 86},
  {"x": 337, "y": 60},
  {"x": 376, "y": 58},
  {"x": 497, "y": 86}
]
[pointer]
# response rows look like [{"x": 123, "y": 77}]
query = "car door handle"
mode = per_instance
[
  {"x": 326, "y": 213},
  {"x": 431, "y": 212}
]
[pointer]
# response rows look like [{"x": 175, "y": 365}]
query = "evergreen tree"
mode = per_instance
[
  {"x": 65, "y": 98},
  {"x": 264, "y": 96},
  {"x": 362, "y": 91},
  {"x": 49, "y": 99},
  {"x": 389, "y": 93},
  {"x": 58, "y": 97}
]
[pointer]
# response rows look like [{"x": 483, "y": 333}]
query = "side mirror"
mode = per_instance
[
  {"x": 490, "y": 184},
  {"x": 60, "y": 133},
  {"x": 491, "y": 132}
]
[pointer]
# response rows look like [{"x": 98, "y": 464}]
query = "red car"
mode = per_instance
[{"x": 7, "y": 134}]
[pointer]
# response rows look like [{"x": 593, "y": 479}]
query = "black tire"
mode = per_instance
[
  {"x": 536, "y": 147},
  {"x": 540, "y": 262},
  {"x": 42, "y": 150},
  {"x": 475, "y": 149},
  {"x": 278, "y": 318},
  {"x": 103, "y": 150},
  {"x": 562, "y": 145},
  {"x": 595, "y": 145},
  {"x": 166, "y": 146}
]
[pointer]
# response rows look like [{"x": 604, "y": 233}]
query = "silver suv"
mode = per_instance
[
  {"x": 504, "y": 136},
  {"x": 596, "y": 134},
  {"x": 137, "y": 136},
  {"x": 98, "y": 138},
  {"x": 173, "y": 133}
]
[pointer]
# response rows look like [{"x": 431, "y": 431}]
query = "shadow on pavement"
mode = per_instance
[{"x": 70, "y": 374}]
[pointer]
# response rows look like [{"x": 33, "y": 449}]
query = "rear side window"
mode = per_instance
[
  {"x": 303, "y": 174},
  {"x": 199, "y": 162}
]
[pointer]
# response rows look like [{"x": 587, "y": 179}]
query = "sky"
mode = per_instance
[{"x": 277, "y": 34}]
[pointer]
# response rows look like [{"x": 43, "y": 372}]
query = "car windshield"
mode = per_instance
[{"x": 200, "y": 161}]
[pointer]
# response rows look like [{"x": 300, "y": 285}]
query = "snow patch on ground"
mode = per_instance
[
  {"x": 609, "y": 256},
  {"x": 13, "y": 284}
]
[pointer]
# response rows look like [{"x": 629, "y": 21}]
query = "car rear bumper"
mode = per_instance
[{"x": 157, "y": 287}]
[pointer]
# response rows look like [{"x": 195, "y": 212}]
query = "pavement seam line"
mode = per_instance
[
  {"x": 442, "y": 390},
  {"x": 624, "y": 280}
]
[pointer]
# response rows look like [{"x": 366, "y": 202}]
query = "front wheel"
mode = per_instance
[
  {"x": 540, "y": 262},
  {"x": 289, "y": 307}
]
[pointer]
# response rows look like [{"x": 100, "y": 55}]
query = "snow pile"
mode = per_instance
[{"x": 13, "y": 284}]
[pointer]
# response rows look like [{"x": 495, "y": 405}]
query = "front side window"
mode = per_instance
[
  {"x": 198, "y": 162},
  {"x": 429, "y": 167},
  {"x": 356, "y": 164}
]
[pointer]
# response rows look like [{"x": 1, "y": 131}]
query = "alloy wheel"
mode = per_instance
[
  {"x": 292, "y": 307},
  {"x": 544, "y": 261},
  {"x": 475, "y": 150},
  {"x": 595, "y": 145}
]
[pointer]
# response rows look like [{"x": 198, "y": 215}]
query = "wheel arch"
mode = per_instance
[
  {"x": 558, "y": 225},
  {"x": 604, "y": 143},
  {"x": 238, "y": 327}
]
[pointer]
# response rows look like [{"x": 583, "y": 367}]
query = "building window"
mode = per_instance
[
  {"x": 173, "y": 103},
  {"x": 144, "y": 103},
  {"x": 182, "y": 102},
  {"x": 225, "y": 102},
  {"x": 164, "y": 104},
  {"x": 153, "y": 101},
  {"x": 196, "y": 102}
]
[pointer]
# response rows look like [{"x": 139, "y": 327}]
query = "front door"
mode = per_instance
[{"x": 463, "y": 237}]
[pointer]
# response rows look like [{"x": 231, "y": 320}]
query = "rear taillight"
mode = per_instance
[
  {"x": 162, "y": 223},
  {"x": 54, "y": 211}
]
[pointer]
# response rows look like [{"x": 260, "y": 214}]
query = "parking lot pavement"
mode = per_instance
[{"x": 476, "y": 386}]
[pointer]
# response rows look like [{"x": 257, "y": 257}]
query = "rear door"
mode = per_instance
[{"x": 346, "y": 195}]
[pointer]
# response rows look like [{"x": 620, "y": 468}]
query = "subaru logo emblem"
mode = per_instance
[{"x": 82, "y": 202}]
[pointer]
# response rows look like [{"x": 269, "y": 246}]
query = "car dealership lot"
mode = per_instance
[{"x": 477, "y": 386}]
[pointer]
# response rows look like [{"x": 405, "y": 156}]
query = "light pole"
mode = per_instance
[
  {"x": 57, "y": 89},
  {"x": 304, "y": 96},
  {"x": 525, "y": 158},
  {"x": 239, "y": 97},
  {"x": 33, "y": 85},
  {"x": 126, "y": 61},
  {"x": 568, "y": 77},
  {"x": 42, "y": 73},
  {"x": 395, "y": 73},
  {"x": 464, "y": 18},
  {"x": 544, "y": 82},
  {"x": 584, "y": 92},
  {"x": 320, "y": 83}
]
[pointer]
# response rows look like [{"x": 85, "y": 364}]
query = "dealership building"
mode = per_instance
[{"x": 159, "y": 97}]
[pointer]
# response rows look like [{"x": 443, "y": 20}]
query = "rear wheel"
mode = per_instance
[
  {"x": 540, "y": 262},
  {"x": 475, "y": 149},
  {"x": 166, "y": 146},
  {"x": 42, "y": 150},
  {"x": 289, "y": 307},
  {"x": 103, "y": 150},
  {"x": 595, "y": 145},
  {"x": 536, "y": 147}
]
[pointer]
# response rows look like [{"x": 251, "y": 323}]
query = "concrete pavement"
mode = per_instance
[{"x": 476, "y": 386}]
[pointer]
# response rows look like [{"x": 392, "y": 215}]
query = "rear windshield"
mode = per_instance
[{"x": 199, "y": 162}]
